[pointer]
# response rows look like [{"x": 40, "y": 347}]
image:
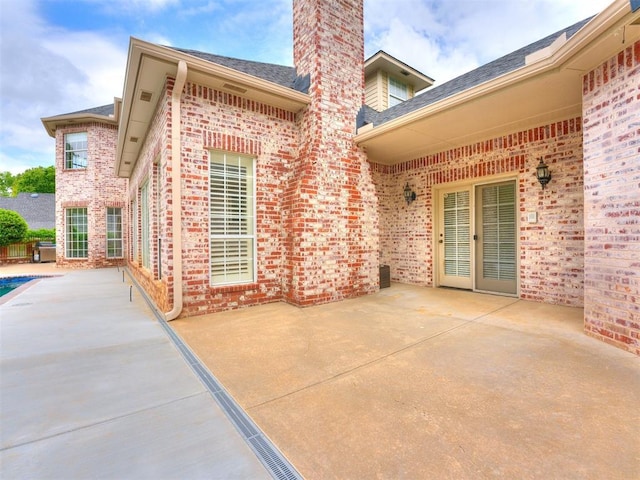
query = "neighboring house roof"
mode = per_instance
[
  {"x": 489, "y": 71},
  {"x": 38, "y": 209}
]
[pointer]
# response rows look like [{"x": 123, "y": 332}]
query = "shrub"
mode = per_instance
[
  {"x": 41, "y": 234},
  {"x": 13, "y": 227}
]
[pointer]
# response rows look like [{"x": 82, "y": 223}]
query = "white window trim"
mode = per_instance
[
  {"x": 145, "y": 225},
  {"x": 66, "y": 151},
  {"x": 115, "y": 240},
  {"x": 135, "y": 240},
  {"x": 252, "y": 236},
  {"x": 396, "y": 97},
  {"x": 67, "y": 240}
]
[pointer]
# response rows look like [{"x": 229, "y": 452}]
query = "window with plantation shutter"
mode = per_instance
[
  {"x": 232, "y": 218},
  {"x": 457, "y": 234}
]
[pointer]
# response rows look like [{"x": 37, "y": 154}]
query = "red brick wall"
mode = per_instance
[
  {"x": 551, "y": 250},
  {"x": 611, "y": 109},
  {"x": 94, "y": 187},
  {"x": 242, "y": 126},
  {"x": 153, "y": 166},
  {"x": 330, "y": 205},
  {"x": 315, "y": 199},
  {"x": 215, "y": 120}
]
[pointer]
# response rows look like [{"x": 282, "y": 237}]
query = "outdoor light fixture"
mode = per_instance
[
  {"x": 543, "y": 173},
  {"x": 409, "y": 195}
]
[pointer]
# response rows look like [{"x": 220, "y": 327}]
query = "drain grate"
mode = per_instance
[
  {"x": 275, "y": 463},
  {"x": 279, "y": 467}
]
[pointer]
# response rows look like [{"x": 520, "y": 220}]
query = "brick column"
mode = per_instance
[
  {"x": 331, "y": 218},
  {"x": 611, "y": 104}
]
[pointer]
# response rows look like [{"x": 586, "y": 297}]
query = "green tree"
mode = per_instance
[
  {"x": 13, "y": 227},
  {"x": 36, "y": 180},
  {"x": 6, "y": 182}
]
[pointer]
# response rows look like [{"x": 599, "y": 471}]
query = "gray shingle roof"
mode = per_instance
[
  {"x": 489, "y": 71},
  {"x": 104, "y": 110},
  {"x": 278, "y": 74},
  {"x": 287, "y": 77},
  {"x": 38, "y": 209}
]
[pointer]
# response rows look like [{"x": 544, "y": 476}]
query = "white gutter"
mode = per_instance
[{"x": 176, "y": 191}]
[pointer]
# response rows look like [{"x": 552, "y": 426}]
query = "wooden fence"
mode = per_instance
[{"x": 21, "y": 252}]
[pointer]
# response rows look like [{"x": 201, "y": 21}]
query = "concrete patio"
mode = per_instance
[{"x": 422, "y": 383}]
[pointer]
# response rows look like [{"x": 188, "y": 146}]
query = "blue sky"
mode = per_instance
[{"x": 60, "y": 56}]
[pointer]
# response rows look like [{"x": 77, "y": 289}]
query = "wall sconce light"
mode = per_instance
[
  {"x": 409, "y": 195},
  {"x": 542, "y": 173}
]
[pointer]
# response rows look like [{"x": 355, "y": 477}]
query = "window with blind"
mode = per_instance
[
  {"x": 398, "y": 92},
  {"x": 499, "y": 231},
  {"x": 232, "y": 218},
  {"x": 457, "y": 234}
]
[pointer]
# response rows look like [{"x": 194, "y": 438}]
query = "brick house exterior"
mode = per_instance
[
  {"x": 93, "y": 188},
  {"x": 327, "y": 200}
]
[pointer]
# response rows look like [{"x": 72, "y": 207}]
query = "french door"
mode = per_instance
[
  {"x": 454, "y": 238},
  {"x": 495, "y": 242},
  {"x": 477, "y": 237}
]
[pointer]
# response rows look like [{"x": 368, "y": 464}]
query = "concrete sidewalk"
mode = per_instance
[{"x": 91, "y": 387}]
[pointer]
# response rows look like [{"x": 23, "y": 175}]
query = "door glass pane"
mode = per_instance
[
  {"x": 499, "y": 232},
  {"x": 457, "y": 229}
]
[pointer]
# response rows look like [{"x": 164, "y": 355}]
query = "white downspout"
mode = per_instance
[{"x": 176, "y": 191}]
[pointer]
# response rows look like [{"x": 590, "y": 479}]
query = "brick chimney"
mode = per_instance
[{"x": 331, "y": 213}]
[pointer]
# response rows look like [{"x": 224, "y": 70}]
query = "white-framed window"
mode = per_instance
[
  {"x": 398, "y": 92},
  {"x": 135, "y": 239},
  {"x": 75, "y": 150},
  {"x": 232, "y": 218},
  {"x": 114, "y": 232},
  {"x": 76, "y": 233},
  {"x": 144, "y": 225}
]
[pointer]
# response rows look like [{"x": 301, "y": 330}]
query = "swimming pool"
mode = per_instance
[{"x": 8, "y": 284}]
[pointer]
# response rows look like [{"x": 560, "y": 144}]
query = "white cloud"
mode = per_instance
[
  {"x": 251, "y": 30},
  {"x": 47, "y": 71},
  {"x": 100, "y": 62},
  {"x": 443, "y": 39},
  {"x": 119, "y": 7}
]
